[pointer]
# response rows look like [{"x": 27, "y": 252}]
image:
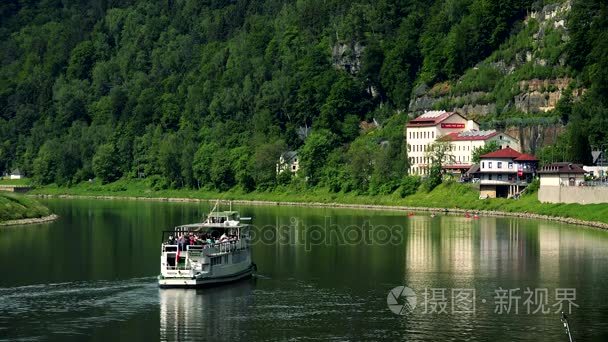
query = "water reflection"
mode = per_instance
[
  {"x": 205, "y": 314},
  {"x": 103, "y": 258}
]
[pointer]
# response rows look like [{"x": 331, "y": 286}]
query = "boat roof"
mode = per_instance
[
  {"x": 222, "y": 213},
  {"x": 191, "y": 226}
]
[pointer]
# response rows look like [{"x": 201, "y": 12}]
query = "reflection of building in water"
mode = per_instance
[
  {"x": 208, "y": 314},
  {"x": 488, "y": 245},
  {"x": 549, "y": 246},
  {"x": 419, "y": 244},
  {"x": 447, "y": 247},
  {"x": 458, "y": 246},
  {"x": 508, "y": 245}
]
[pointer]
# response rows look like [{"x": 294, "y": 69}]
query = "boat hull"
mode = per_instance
[{"x": 181, "y": 282}]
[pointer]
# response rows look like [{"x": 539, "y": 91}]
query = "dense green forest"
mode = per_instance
[{"x": 208, "y": 94}]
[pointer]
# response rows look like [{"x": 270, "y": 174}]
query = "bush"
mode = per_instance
[
  {"x": 409, "y": 185},
  {"x": 157, "y": 182},
  {"x": 533, "y": 187},
  {"x": 284, "y": 178},
  {"x": 434, "y": 179}
]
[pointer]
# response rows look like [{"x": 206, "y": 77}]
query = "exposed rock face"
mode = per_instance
[
  {"x": 555, "y": 12},
  {"x": 472, "y": 103},
  {"x": 535, "y": 95},
  {"x": 540, "y": 95},
  {"x": 347, "y": 56},
  {"x": 476, "y": 109},
  {"x": 531, "y": 138}
]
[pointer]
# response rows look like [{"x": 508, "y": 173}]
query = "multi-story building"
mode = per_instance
[
  {"x": 463, "y": 136},
  {"x": 422, "y": 132},
  {"x": 505, "y": 173}
]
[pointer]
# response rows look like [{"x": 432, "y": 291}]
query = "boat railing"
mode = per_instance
[{"x": 200, "y": 250}]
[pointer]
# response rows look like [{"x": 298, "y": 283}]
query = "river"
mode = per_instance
[{"x": 324, "y": 274}]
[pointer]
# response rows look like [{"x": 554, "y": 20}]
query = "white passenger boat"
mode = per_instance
[{"x": 212, "y": 252}]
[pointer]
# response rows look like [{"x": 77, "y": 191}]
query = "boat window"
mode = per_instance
[{"x": 216, "y": 260}]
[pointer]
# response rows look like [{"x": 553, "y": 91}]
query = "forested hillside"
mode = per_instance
[{"x": 189, "y": 93}]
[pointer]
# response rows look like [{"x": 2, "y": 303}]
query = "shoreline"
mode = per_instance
[
  {"x": 28, "y": 221},
  {"x": 495, "y": 213}
]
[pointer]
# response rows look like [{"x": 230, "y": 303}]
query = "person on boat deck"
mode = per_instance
[
  {"x": 224, "y": 237},
  {"x": 181, "y": 242},
  {"x": 171, "y": 240}
]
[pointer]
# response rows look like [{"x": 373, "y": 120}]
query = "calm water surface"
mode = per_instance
[{"x": 90, "y": 276}]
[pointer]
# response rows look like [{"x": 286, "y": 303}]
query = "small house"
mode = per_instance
[
  {"x": 16, "y": 174},
  {"x": 288, "y": 161}
]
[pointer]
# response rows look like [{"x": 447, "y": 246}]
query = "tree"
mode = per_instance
[
  {"x": 265, "y": 159},
  {"x": 485, "y": 149},
  {"x": 45, "y": 163},
  {"x": 439, "y": 154},
  {"x": 105, "y": 165},
  {"x": 314, "y": 153},
  {"x": 222, "y": 174},
  {"x": 202, "y": 163},
  {"x": 579, "y": 148}
]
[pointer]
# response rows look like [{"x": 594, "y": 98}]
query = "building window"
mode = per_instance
[
  {"x": 510, "y": 165},
  {"x": 489, "y": 165},
  {"x": 499, "y": 165},
  {"x": 501, "y": 137},
  {"x": 489, "y": 176},
  {"x": 483, "y": 165},
  {"x": 499, "y": 177},
  {"x": 433, "y": 133}
]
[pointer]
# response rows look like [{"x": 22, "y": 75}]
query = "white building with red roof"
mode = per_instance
[
  {"x": 505, "y": 173},
  {"x": 422, "y": 131},
  {"x": 462, "y": 134},
  {"x": 463, "y": 144}
]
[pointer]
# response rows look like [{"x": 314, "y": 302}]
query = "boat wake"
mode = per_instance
[{"x": 35, "y": 311}]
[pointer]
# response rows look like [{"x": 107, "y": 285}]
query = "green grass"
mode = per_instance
[
  {"x": 23, "y": 181},
  {"x": 446, "y": 195},
  {"x": 15, "y": 207}
]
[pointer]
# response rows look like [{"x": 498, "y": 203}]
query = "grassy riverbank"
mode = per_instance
[
  {"x": 447, "y": 195},
  {"x": 17, "y": 207}
]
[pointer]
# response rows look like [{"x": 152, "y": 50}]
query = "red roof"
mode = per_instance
[
  {"x": 526, "y": 157},
  {"x": 503, "y": 153},
  {"x": 431, "y": 118},
  {"x": 562, "y": 167},
  {"x": 469, "y": 135}
]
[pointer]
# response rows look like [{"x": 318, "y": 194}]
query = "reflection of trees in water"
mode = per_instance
[{"x": 204, "y": 314}]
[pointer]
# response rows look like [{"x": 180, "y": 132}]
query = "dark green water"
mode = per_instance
[{"x": 90, "y": 276}]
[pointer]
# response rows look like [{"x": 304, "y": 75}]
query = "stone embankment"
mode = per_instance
[{"x": 30, "y": 220}]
